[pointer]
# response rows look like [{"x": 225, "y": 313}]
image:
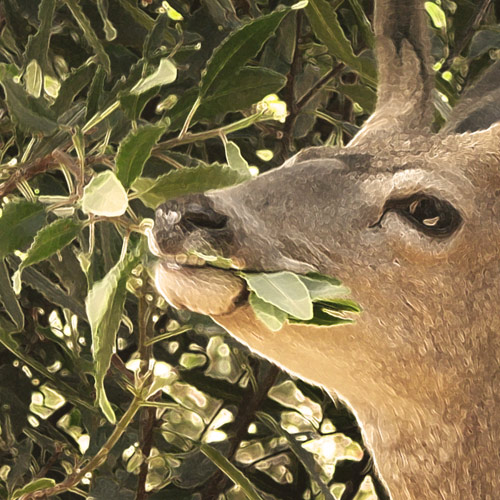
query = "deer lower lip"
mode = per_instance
[{"x": 206, "y": 290}]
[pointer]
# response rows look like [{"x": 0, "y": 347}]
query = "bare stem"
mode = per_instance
[{"x": 96, "y": 461}]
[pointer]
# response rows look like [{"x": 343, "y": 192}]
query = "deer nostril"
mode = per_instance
[{"x": 204, "y": 218}]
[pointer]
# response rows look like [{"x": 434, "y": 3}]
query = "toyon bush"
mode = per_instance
[{"x": 107, "y": 109}]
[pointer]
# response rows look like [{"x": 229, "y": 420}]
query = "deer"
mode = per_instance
[{"x": 409, "y": 219}]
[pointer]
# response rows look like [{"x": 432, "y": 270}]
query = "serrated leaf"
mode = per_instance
[
  {"x": 270, "y": 315},
  {"x": 179, "y": 182},
  {"x": 134, "y": 151},
  {"x": 104, "y": 195},
  {"x": 104, "y": 305},
  {"x": 19, "y": 224},
  {"x": 235, "y": 160},
  {"x": 71, "y": 86},
  {"x": 231, "y": 471},
  {"x": 165, "y": 73},
  {"x": 248, "y": 87},
  {"x": 237, "y": 49},
  {"x": 38, "y": 44},
  {"x": 284, "y": 290},
  {"x": 89, "y": 33},
  {"x": 31, "y": 114},
  {"x": 155, "y": 37},
  {"x": 9, "y": 299},
  {"x": 51, "y": 239},
  {"x": 327, "y": 28},
  {"x": 37, "y": 484},
  {"x": 95, "y": 92}
]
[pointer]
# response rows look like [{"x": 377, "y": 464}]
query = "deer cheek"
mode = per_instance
[{"x": 204, "y": 290}]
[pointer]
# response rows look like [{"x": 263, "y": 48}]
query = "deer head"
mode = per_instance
[{"x": 410, "y": 221}]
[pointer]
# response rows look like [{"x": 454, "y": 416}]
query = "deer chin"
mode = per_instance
[{"x": 202, "y": 289}]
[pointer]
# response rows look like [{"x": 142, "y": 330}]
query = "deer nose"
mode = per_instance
[{"x": 189, "y": 223}]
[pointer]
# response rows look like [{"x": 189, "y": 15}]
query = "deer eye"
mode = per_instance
[{"x": 430, "y": 215}]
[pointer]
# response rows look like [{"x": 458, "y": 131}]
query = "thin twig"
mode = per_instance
[{"x": 95, "y": 462}]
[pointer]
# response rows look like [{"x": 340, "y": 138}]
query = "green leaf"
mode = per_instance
[
  {"x": 231, "y": 471},
  {"x": 19, "y": 224},
  {"x": 135, "y": 150},
  {"x": 323, "y": 287},
  {"x": 31, "y": 114},
  {"x": 237, "y": 49},
  {"x": 95, "y": 92},
  {"x": 51, "y": 239},
  {"x": 156, "y": 37},
  {"x": 270, "y": 315},
  {"x": 38, "y": 44},
  {"x": 361, "y": 94},
  {"x": 105, "y": 195},
  {"x": 72, "y": 86},
  {"x": 104, "y": 305},
  {"x": 9, "y": 299},
  {"x": 183, "y": 181},
  {"x": 165, "y": 73},
  {"x": 37, "y": 484},
  {"x": 235, "y": 160},
  {"x": 248, "y": 87},
  {"x": 284, "y": 290},
  {"x": 89, "y": 33},
  {"x": 327, "y": 28}
]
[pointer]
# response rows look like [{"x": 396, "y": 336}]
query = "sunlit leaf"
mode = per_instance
[
  {"x": 104, "y": 306},
  {"x": 437, "y": 15},
  {"x": 284, "y": 290},
  {"x": 165, "y": 73},
  {"x": 235, "y": 160},
  {"x": 105, "y": 195},
  {"x": 37, "y": 484}
]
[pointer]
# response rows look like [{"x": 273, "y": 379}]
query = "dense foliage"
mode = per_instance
[{"x": 109, "y": 107}]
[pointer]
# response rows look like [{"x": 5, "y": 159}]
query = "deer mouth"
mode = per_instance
[{"x": 187, "y": 282}]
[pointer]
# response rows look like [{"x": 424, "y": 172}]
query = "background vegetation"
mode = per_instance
[{"x": 108, "y": 107}]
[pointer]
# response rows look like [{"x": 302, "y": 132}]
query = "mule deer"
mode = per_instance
[{"x": 410, "y": 221}]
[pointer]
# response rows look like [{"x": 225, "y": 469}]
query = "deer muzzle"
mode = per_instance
[{"x": 185, "y": 230}]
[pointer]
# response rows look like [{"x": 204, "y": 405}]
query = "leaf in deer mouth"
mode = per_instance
[{"x": 274, "y": 296}]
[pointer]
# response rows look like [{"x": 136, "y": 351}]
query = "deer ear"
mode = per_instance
[
  {"x": 479, "y": 105},
  {"x": 404, "y": 102}
]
